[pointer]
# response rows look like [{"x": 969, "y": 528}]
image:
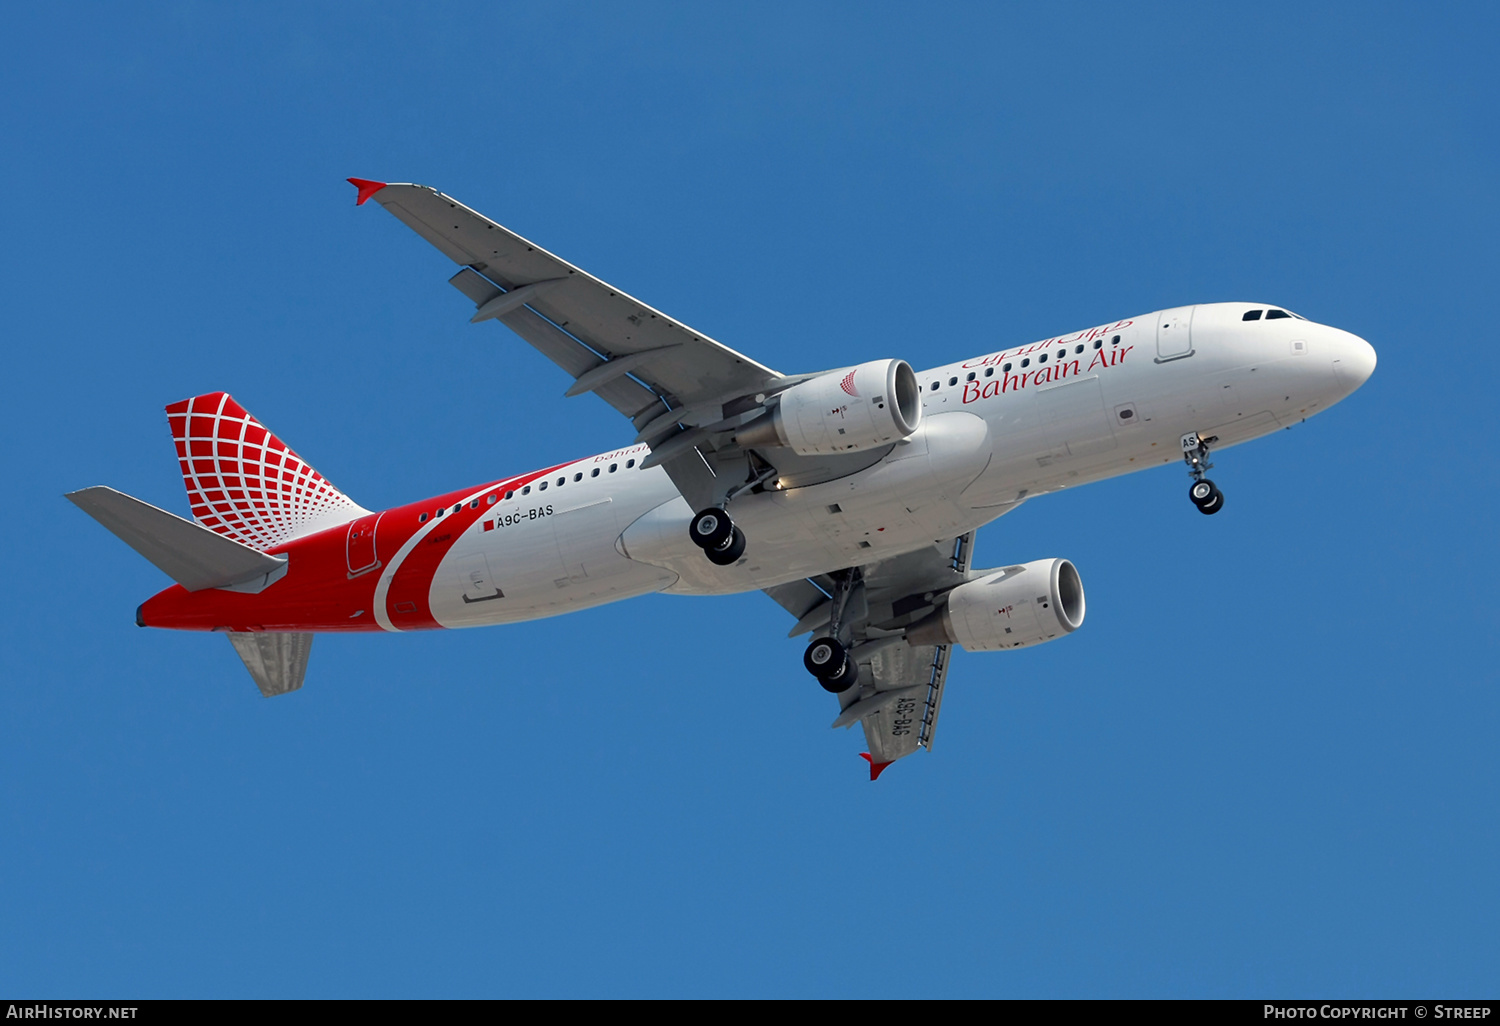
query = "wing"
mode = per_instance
[
  {"x": 675, "y": 384},
  {"x": 900, "y": 689}
]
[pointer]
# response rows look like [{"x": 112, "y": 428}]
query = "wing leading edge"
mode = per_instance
[
  {"x": 669, "y": 357},
  {"x": 685, "y": 393}
]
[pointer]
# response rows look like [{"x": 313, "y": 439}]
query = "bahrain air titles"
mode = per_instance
[{"x": 850, "y": 495}]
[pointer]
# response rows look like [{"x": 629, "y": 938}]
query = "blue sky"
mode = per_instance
[{"x": 1266, "y": 766}]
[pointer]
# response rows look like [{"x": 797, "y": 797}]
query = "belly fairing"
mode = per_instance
[{"x": 907, "y": 500}]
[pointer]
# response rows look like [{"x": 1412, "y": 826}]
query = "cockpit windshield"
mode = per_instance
[{"x": 1271, "y": 315}]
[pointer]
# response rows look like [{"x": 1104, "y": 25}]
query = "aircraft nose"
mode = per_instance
[{"x": 1355, "y": 360}]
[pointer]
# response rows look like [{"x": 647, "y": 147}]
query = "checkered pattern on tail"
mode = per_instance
[{"x": 244, "y": 482}]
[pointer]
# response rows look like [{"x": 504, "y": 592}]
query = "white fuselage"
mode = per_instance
[{"x": 996, "y": 430}]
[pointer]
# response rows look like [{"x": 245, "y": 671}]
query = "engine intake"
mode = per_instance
[
  {"x": 1010, "y": 608},
  {"x": 876, "y": 403}
]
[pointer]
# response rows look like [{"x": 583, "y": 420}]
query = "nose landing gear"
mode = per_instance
[
  {"x": 1203, "y": 493},
  {"x": 714, "y": 533}
]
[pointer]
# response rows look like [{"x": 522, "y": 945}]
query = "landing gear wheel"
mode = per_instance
[
  {"x": 828, "y": 660},
  {"x": 711, "y": 529},
  {"x": 1204, "y": 493},
  {"x": 824, "y": 657},
  {"x": 1213, "y": 505},
  {"x": 843, "y": 682},
  {"x": 730, "y": 552}
]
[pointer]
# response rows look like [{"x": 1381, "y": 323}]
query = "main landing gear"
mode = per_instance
[
  {"x": 714, "y": 533},
  {"x": 1203, "y": 493},
  {"x": 827, "y": 658}
]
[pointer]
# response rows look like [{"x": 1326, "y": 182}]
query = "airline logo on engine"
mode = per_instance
[{"x": 848, "y": 384}]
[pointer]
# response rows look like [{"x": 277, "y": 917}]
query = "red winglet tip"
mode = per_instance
[
  {"x": 876, "y": 768},
  {"x": 366, "y": 189}
]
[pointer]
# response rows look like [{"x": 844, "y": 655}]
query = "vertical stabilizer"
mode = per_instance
[
  {"x": 278, "y": 662},
  {"x": 245, "y": 483}
]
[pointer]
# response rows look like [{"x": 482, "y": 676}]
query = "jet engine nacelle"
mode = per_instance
[
  {"x": 874, "y": 404},
  {"x": 1009, "y": 608}
]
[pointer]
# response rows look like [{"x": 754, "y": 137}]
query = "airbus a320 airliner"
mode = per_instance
[{"x": 849, "y": 496}]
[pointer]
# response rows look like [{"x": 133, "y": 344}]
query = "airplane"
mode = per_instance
[{"x": 850, "y": 496}]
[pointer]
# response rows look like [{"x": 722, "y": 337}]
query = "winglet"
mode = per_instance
[
  {"x": 366, "y": 189},
  {"x": 876, "y": 768}
]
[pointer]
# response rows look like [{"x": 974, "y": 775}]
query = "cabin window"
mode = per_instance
[
  {"x": 578, "y": 477},
  {"x": 1115, "y": 341},
  {"x": 1042, "y": 358},
  {"x": 491, "y": 500},
  {"x": 971, "y": 376},
  {"x": 457, "y": 506},
  {"x": 1006, "y": 368},
  {"x": 629, "y": 464},
  {"x": 542, "y": 487},
  {"x": 1078, "y": 348},
  {"x": 989, "y": 372},
  {"x": 562, "y": 480},
  {"x": 510, "y": 494},
  {"x": 952, "y": 382},
  {"x": 1098, "y": 343},
  {"x": 934, "y": 386},
  {"x": 526, "y": 490},
  {"x": 1274, "y": 315},
  {"x": 475, "y": 503},
  {"x": 594, "y": 472},
  {"x": 422, "y": 518},
  {"x": 1251, "y": 315},
  {"x": 440, "y": 512},
  {"x": 1026, "y": 362},
  {"x": 613, "y": 467}
]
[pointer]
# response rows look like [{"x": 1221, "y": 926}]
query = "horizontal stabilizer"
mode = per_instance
[
  {"x": 278, "y": 662},
  {"x": 189, "y": 553}
]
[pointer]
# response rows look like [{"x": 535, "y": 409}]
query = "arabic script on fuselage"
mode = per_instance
[{"x": 1017, "y": 371}]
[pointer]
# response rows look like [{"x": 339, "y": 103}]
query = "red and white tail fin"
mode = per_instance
[{"x": 245, "y": 483}]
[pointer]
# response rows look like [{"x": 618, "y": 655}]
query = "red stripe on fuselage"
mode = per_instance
[{"x": 317, "y": 593}]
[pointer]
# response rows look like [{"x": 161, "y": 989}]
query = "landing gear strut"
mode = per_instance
[
  {"x": 714, "y": 533},
  {"x": 1203, "y": 493},
  {"x": 827, "y": 658}
]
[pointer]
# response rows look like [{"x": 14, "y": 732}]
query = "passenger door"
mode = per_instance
[
  {"x": 359, "y": 546},
  {"x": 1174, "y": 334}
]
